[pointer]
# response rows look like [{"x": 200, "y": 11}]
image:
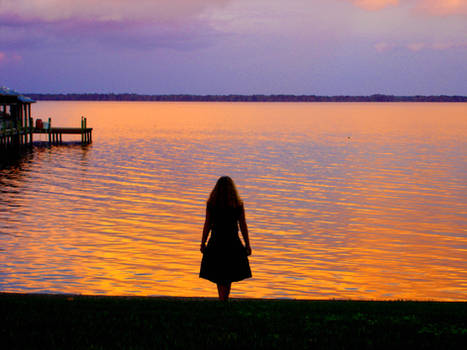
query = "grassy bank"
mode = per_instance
[{"x": 90, "y": 322}]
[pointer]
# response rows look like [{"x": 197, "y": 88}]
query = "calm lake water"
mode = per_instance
[{"x": 360, "y": 201}]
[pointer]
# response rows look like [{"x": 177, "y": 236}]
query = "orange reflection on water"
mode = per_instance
[{"x": 362, "y": 201}]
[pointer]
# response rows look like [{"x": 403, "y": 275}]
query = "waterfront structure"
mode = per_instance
[
  {"x": 17, "y": 125},
  {"x": 15, "y": 118}
]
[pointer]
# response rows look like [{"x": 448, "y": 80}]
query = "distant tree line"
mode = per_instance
[{"x": 243, "y": 98}]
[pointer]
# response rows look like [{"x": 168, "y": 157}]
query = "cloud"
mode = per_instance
[
  {"x": 438, "y": 46},
  {"x": 374, "y": 5},
  {"x": 442, "y": 7},
  {"x": 105, "y": 10},
  {"x": 139, "y": 23},
  {"x": 416, "y": 46},
  {"x": 6, "y": 58},
  {"x": 432, "y": 7},
  {"x": 448, "y": 45},
  {"x": 383, "y": 46}
]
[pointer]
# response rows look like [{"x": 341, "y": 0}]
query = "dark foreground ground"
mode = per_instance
[{"x": 90, "y": 322}]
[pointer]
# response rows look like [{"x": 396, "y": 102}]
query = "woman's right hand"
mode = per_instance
[{"x": 203, "y": 247}]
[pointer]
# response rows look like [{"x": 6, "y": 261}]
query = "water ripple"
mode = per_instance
[{"x": 379, "y": 215}]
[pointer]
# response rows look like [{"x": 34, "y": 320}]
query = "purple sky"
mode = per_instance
[{"x": 323, "y": 47}]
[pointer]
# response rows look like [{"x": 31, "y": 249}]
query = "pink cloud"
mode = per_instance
[
  {"x": 442, "y": 7},
  {"x": 374, "y": 5},
  {"x": 6, "y": 58},
  {"x": 383, "y": 46},
  {"x": 415, "y": 46},
  {"x": 432, "y": 7}
]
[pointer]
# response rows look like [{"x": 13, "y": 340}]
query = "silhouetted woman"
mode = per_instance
[{"x": 225, "y": 257}]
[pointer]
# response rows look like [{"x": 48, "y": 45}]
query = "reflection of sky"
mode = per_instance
[
  {"x": 342, "y": 200},
  {"x": 235, "y": 46}
]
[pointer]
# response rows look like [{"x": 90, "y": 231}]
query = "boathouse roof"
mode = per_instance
[{"x": 9, "y": 96}]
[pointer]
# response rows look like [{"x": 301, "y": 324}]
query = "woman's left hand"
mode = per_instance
[{"x": 248, "y": 250}]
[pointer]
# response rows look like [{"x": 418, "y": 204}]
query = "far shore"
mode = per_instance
[
  {"x": 62, "y": 321},
  {"x": 241, "y": 98}
]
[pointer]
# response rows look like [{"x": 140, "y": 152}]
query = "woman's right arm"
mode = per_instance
[
  {"x": 244, "y": 230},
  {"x": 206, "y": 229}
]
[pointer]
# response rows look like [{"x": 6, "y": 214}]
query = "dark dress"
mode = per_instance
[{"x": 224, "y": 260}]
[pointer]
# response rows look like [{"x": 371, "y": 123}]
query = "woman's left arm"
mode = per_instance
[{"x": 244, "y": 230}]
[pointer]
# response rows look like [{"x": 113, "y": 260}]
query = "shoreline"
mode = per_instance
[
  {"x": 242, "y": 98},
  {"x": 201, "y": 298},
  {"x": 109, "y": 322}
]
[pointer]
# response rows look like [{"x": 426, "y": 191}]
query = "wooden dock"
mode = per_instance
[
  {"x": 55, "y": 134},
  {"x": 25, "y": 135}
]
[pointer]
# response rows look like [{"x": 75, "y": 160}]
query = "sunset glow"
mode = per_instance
[
  {"x": 345, "y": 200},
  {"x": 342, "y": 122}
]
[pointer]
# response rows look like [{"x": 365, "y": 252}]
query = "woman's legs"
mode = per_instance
[{"x": 224, "y": 291}]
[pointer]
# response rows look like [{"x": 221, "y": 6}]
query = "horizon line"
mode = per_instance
[{"x": 244, "y": 97}]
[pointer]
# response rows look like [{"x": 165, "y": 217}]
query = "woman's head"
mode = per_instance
[{"x": 224, "y": 194}]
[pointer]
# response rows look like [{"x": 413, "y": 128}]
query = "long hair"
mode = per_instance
[{"x": 224, "y": 194}]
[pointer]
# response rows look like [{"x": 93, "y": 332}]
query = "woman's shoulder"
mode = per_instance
[{"x": 228, "y": 209}]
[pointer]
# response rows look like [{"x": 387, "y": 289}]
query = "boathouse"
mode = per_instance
[
  {"x": 15, "y": 116},
  {"x": 15, "y": 107}
]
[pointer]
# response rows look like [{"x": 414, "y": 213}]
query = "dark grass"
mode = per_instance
[{"x": 92, "y": 322}]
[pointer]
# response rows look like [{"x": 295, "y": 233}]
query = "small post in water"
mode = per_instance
[{"x": 49, "y": 127}]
